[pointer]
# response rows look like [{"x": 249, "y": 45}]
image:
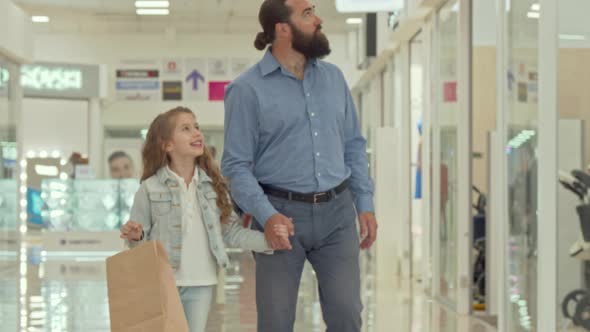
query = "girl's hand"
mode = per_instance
[{"x": 131, "y": 231}]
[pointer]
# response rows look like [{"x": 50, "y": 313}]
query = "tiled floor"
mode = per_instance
[{"x": 69, "y": 294}]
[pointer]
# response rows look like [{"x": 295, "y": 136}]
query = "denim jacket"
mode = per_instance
[{"x": 157, "y": 208}]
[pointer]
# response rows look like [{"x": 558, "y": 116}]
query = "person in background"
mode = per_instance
[{"x": 121, "y": 165}]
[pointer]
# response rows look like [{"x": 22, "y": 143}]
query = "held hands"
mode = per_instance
[
  {"x": 131, "y": 231},
  {"x": 277, "y": 230}
]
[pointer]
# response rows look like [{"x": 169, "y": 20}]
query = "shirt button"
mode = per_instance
[
  {"x": 316, "y": 133},
  {"x": 317, "y": 154},
  {"x": 307, "y": 94},
  {"x": 312, "y": 114},
  {"x": 319, "y": 174}
]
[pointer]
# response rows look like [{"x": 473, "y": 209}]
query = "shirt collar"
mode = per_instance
[
  {"x": 269, "y": 63},
  {"x": 165, "y": 174},
  {"x": 170, "y": 174}
]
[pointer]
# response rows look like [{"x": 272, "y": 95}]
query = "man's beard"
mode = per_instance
[{"x": 316, "y": 46}]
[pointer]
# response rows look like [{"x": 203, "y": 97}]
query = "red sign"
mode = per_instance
[
  {"x": 450, "y": 92},
  {"x": 137, "y": 73},
  {"x": 217, "y": 90}
]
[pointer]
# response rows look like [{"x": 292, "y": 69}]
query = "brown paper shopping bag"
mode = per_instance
[{"x": 142, "y": 291}]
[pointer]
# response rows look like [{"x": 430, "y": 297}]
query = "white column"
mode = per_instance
[
  {"x": 547, "y": 163},
  {"x": 427, "y": 257},
  {"x": 501, "y": 203},
  {"x": 464, "y": 148},
  {"x": 16, "y": 96},
  {"x": 385, "y": 249},
  {"x": 95, "y": 137},
  {"x": 436, "y": 159},
  {"x": 405, "y": 185},
  {"x": 382, "y": 31}
]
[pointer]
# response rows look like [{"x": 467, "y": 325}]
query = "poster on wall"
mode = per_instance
[
  {"x": 240, "y": 65},
  {"x": 172, "y": 68},
  {"x": 217, "y": 90},
  {"x": 522, "y": 92},
  {"x": 195, "y": 86},
  {"x": 450, "y": 92},
  {"x": 218, "y": 69},
  {"x": 172, "y": 90},
  {"x": 533, "y": 92},
  {"x": 137, "y": 84},
  {"x": 190, "y": 79},
  {"x": 533, "y": 87}
]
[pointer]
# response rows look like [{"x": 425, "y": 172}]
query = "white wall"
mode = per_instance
[
  {"x": 50, "y": 125},
  {"x": 15, "y": 33},
  {"x": 110, "y": 49},
  {"x": 484, "y": 23}
]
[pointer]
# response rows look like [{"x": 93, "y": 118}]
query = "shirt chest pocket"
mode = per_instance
[
  {"x": 332, "y": 112},
  {"x": 161, "y": 203},
  {"x": 278, "y": 119}
]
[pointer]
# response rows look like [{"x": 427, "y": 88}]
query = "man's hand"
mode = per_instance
[
  {"x": 368, "y": 225},
  {"x": 275, "y": 238}
]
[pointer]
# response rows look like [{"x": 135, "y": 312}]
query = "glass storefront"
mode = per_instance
[
  {"x": 521, "y": 150},
  {"x": 573, "y": 209},
  {"x": 8, "y": 152},
  {"x": 8, "y": 199},
  {"x": 447, "y": 107}
]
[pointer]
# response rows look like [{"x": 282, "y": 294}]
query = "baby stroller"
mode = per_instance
[
  {"x": 576, "y": 305},
  {"x": 479, "y": 251}
]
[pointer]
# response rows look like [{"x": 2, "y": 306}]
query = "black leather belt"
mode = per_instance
[{"x": 313, "y": 198}]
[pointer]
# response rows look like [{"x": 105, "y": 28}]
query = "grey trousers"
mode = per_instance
[{"x": 325, "y": 235}]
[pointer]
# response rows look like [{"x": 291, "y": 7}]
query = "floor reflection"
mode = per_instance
[{"x": 69, "y": 294}]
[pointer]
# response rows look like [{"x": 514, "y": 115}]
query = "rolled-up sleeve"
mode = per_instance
[
  {"x": 240, "y": 146},
  {"x": 355, "y": 157},
  {"x": 141, "y": 213}
]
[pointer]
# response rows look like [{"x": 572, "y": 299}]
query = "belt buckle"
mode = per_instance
[{"x": 316, "y": 196}]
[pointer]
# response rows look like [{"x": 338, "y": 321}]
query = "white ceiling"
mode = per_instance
[{"x": 186, "y": 16}]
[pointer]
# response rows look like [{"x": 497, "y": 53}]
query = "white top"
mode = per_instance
[{"x": 197, "y": 264}]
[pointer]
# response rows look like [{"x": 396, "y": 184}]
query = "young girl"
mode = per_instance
[{"x": 183, "y": 201}]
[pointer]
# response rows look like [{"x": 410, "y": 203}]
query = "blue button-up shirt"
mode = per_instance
[{"x": 299, "y": 135}]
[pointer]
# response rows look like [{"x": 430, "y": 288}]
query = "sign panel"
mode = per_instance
[
  {"x": 217, "y": 90},
  {"x": 195, "y": 81},
  {"x": 65, "y": 81},
  {"x": 172, "y": 90}
]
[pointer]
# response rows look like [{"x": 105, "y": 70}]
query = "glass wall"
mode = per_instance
[
  {"x": 8, "y": 150},
  {"x": 483, "y": 123},
  {"x": 8, "y": 200},
  {"x": 573, "y": 102},
  {"x": 447, "y": 107},
  {"x": 522, "y": 119}
]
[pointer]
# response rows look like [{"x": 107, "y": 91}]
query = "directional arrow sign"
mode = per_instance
[{"x": 195, "y": 77}]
